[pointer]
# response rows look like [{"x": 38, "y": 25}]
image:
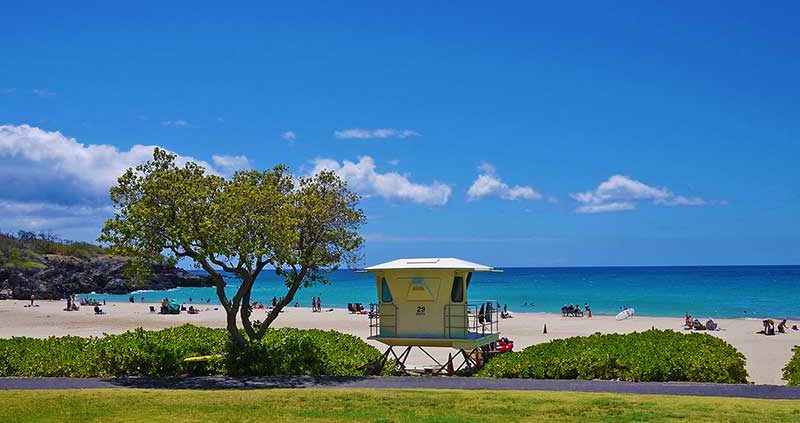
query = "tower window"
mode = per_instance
[
  {"x": 386, "y": 294},
  {"x": 457, "y": 293}
]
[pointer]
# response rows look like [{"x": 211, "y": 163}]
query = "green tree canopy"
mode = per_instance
[{"x": 300, "y": 227}]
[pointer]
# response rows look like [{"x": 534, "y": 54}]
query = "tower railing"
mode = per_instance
[
  {"x": 474, "y": 318},
  {"x": 382, "y": 320},
  {"x": 461, "y": 321}
]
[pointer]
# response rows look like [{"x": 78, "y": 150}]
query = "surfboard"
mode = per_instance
[{"x": 624, "y": 314}]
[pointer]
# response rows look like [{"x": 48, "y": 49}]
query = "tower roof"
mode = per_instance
[{"x": 431, "y": 263}]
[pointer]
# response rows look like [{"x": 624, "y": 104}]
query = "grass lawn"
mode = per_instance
[{"x": 361, "y": 405}]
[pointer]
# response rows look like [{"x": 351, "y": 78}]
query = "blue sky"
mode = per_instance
[{"x": 530, "y": 133}]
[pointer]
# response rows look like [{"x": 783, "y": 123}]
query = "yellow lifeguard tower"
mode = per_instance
[{"x": 422, "y": 302}]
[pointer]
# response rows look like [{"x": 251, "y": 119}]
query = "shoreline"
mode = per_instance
[
  {"x": 766, "y": 355},
  {"x": 702, "y": 317},
  {"x": 546, "y": 313}
]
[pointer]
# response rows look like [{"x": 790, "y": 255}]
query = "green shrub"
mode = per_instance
[
  {"x": 791, "y": 373},
  {"x": 139, "y": 352},
  {"x": 645, "y": 356},
  {"x": 289, "y": 351},
  {"x": 157, "y": 353},
  {"x": 163, "y": 353},
  {"x": 43, "y": 357}
]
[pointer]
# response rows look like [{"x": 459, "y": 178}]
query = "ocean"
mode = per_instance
[{"x": 702, "y": 291}]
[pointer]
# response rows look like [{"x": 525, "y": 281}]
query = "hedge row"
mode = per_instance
[
  {"x": 162, "y": 353},
  {"x": 791, "y": 373},
  {"x": 646, "y": 356}
]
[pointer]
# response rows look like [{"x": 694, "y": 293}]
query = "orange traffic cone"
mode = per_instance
[{"x": 545, "y": 328}]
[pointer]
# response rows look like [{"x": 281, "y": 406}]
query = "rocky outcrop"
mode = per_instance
[{"x": 63, "y": 275}]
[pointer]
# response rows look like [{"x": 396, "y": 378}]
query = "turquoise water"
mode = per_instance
[{"x": 713, "y": 291}]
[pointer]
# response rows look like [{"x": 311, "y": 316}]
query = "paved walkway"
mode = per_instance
[{"x": 412, "y": 382}]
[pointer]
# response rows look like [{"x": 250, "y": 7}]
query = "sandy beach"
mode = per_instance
[{"x": 766, "y": 355}]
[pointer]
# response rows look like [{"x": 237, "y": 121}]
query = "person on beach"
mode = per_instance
[
  {"x": 782, "y": 326},
  {"x": 769, "y": 327},
  {"x": 505, "y": 314},
  {"x": 313, "y": 303},
  {"x": 33, "y": 298},
  {"x": 319, "y": 304}
]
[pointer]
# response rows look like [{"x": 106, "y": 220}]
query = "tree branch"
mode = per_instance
[{"x": 297, "y": 280}]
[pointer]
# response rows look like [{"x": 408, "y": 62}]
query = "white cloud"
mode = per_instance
[
  {"x": 42, "y": 93},
  {"x": 44, "y": 216},
  {"x": 48, "y": 177},
  {"x": 364, "y": 179},
  {"x": 359, "y": 133},
  {"x": 230, "y": 164},
  {"x": 606, "y": 207},
  {"x": 178, "y": 122},
  {"x": 289, "y": 135},
  {"x": 622, "y": 193},
  {"x": 489, "y": 184}
]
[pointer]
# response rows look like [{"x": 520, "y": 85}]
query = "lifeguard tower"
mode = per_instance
[{"x": 422, "y": 302}]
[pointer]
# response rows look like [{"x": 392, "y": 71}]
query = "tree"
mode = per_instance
[{"x": 302, "y": 228}]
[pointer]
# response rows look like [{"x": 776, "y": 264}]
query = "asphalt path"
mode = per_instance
[{"x": 410, "y": 382}]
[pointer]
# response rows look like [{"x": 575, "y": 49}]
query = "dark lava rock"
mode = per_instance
[{"x": 64, "y": 275}]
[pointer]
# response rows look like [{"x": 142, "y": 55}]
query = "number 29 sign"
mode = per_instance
[{"x": 420, "y": 310}]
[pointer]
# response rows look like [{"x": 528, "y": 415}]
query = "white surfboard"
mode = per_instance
[{"x": 624, "y": 314}]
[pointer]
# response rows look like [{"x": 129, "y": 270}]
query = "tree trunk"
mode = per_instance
[
  {"x": 245, "y": 291},
  {"x": 236, "y": 336},
  {"x": 231, "y": 308}
]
